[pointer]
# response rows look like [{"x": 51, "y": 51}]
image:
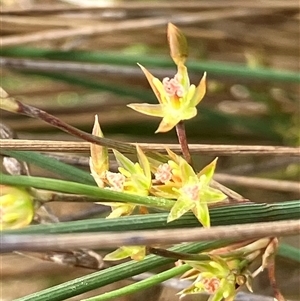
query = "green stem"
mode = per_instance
[
  {"x": 229, "y": 215},
  {"x": 113, "y": 274},
  {"x": 289, "y": 252},
  {"x": 77, "y": 188},
  {"x": 143, "y": 284},
  {"x": 64, "y": 170}
]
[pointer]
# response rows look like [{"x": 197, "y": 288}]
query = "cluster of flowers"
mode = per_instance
[
  {"x": 174, "y": 179},
  {"x": 223, "y": 270}
]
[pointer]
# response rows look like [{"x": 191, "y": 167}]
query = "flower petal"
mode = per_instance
[
  {"x": 202, "y": 214},
  {"x": 147, "y": 109},
  {"x": 98, "y": 177},
  {"x": 99, "y": 154},
  {"x": 199, "y": 92},
  {"x": 188, "y": 175},
  {"x": 118, "y": 254},
  {"x": 211, "y": 195},
  {"x": 144, "y": 162},
  {"x": 164, "y": 191},
  {"x": 183, "y": 76},
  {"x": 135, "y": 252},
  {"x": 208, "y": 171},
  {"x": 166, "y": 125},
  {"x": 121, "y": 210},
  {"x": 151, "y": 81},
  {"x": 181, "y": 206},
  {"x": 188, "y": 113},
  {"x": 124, "y": 162}
]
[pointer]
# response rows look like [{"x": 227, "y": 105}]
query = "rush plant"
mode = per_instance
[{"x": 139, "y": 188}]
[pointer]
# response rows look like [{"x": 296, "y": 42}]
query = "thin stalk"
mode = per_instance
[
  {"x": 271, "y": 274},
  {"x": 64, "y": 170},
  {"x": 181, "y": 134},
  {"x": 143, "y": 284},
  {"x": 78, "y": 188},
  {"x": 289, "y": 252},
  {"x": 56, "y": 122},
  {"x": 203, "y": 149},
  {"x": 113, "y": 274}
]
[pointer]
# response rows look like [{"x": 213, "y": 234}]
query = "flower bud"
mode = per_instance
[
  {"x": 178, "y": 44},
  {"x": 7, "y": 103},
  {"x": 16, "y": 208}
]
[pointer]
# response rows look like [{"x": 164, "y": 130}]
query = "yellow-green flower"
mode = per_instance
[
  {"x": 217, "y": 277},
  {"x": 192, "y": 191},
  {"x": 16, "y": 208},
  {"x": 134, "y": 252},
  {"x": 132, "y": 177},
  {"x": 176, "y": 96}
]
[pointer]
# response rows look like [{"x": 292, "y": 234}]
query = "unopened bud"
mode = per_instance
[
  {"x": 178, "y": 44},
  {"x": 16, "y": 208}
]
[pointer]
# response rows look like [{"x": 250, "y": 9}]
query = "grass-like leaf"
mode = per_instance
[
  {"x": 140, "y": 285},
  {"x": 78, "y": 188},
  {"x": 66, "y": 171},
  {"x": 228, "y": 215},
  {"x": 111, "y": 275}
]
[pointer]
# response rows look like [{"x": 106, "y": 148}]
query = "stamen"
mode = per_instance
[
  {"x": 173, "y": 87},
  {"x": 191, "y": 191},
  {"x": 163, "y": 173},
  {"x": 116, "y": 180},
  {"x": 211, "y": 285}
]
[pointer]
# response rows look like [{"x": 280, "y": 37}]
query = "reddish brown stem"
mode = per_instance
[
  {"x": 273, "y": 283},
  {"x": 180, "y": 130},
  {"x": 54, "y": 121}
]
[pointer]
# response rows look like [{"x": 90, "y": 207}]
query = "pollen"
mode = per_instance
[
  {"x": 163, "y": 173},
  {"x": 116, "y": 180},
  {"x": 191, "y": 191},
  {"x": 173, "y": 87},
  {"x": 211, "y": 285}
]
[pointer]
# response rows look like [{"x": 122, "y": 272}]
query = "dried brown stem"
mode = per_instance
[
  {"x": 128, "y": 25},
  {"x": 63, "y": 66},
  {"x": 268, "y": 184},
  {"x": 128, "y": 6},
  {"x": 204, "y": 149},
  {"x": 37, "y": 242}
]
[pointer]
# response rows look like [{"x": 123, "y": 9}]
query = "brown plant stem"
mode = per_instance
[
  {"x": 259, "y": 183},
  {"x": 271, "y": 274},
  {"x": 93, "y": 240},
  {"x": 181, "y": 134},
  {"x": 56, "y": 122},
  {"x": 204, "y": 149}
]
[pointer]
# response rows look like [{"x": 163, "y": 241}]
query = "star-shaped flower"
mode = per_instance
[
  {"x": 176, "y": 96},
  {"x": 192, "y": 191},
  {"x": 219, "y": 277}
]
